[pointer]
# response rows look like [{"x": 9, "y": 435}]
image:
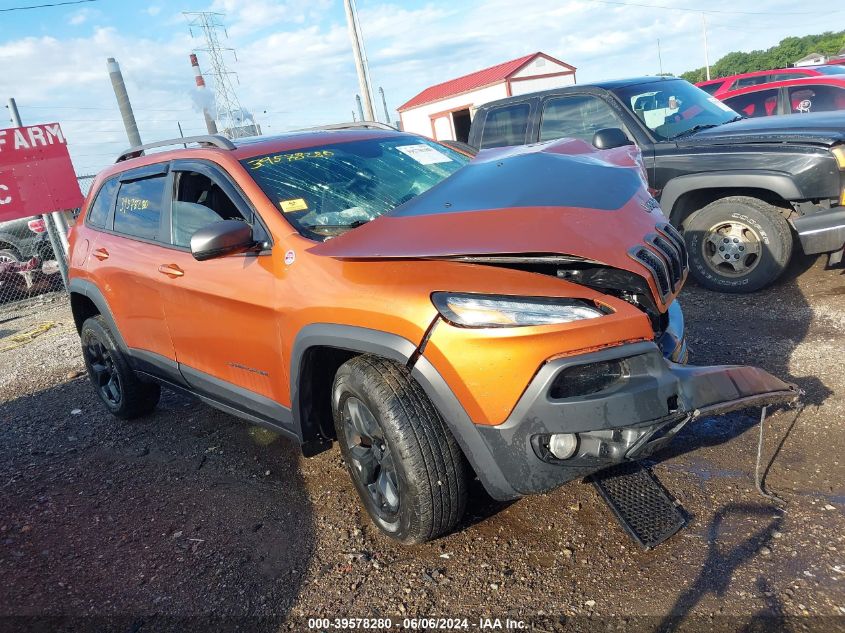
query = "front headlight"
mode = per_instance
[
  {"x": 470, "y": 310},
  {"x": 839, "y": 154}
]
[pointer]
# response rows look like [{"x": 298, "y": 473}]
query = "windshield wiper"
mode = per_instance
[
  {"x": 351, "y": 225},
  {"x": 696, "y": 128}
]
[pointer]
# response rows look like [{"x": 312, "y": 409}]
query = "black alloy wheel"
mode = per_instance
[
  {"x": 103, "y": 371},
  {"x": 371, "y": 457}
]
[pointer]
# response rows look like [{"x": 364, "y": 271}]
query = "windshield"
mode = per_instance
[
  {"x": 329, "y": 189},
  {"x": 831, "y": 70},
  {"x": 674, "y": 108}
]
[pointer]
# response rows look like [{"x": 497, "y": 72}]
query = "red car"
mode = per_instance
[
  {"x": 718, "y": 87},
  {"x": 795, "y": 96}
]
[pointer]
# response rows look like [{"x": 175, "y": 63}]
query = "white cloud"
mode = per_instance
[
  {"x": 81, "y": 16},
  {"x": 153, "y": 10}
]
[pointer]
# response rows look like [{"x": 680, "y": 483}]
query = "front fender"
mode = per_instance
[{"x": 777, "y": 182}]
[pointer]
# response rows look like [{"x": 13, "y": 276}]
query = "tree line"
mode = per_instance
[{"x": 787, "y": 52}]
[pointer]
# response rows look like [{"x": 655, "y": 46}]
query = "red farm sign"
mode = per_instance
[{"x": 36, "y": 175}]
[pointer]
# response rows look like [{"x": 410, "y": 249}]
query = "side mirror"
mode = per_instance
[
  {"x": 221, "y": 239},
  {"x": 610, "y": 138}
]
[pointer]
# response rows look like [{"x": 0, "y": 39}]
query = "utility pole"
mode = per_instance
[
  {"x": 123, "y": 102},
  {"x": 13, "y": 110},
  {"x": 706, "y": 52},
  {"x": 55, "y": 222},
  {"x": 360, "y": 59},
  {"x": 659, "y": 56},
  {"x": 360, "y": 109},
  {"x": 384, "y": 105}
]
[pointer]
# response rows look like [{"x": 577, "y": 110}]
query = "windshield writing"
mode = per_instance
[{"x": 325, "y": 190}]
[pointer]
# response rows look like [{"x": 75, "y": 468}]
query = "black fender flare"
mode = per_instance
[
  {"x": 90, "y": 291},
  {"x": 777, "y": 182},
  {"x": 397, "y": 348}
]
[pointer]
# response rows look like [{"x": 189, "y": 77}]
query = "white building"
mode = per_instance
[
  {"x": 813, "y": 59},
  {"x": 444, "y": 111}
]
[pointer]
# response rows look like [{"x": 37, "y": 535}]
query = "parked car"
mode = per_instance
[
  {"x": 378, "y": 289},
  {"x": 22, "y": 240},
  {"x": 794, "y": 96},
  {"x": 718, "y": 87},
  {"x": 737, "y": 188}
]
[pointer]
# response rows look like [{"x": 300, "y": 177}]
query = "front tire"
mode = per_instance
[
  {"x": 118, "y": 387},
  {"x": 406, "y": 466},
  {"x": 737, "y": 244}
]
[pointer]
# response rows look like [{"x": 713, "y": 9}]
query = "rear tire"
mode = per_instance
[
  {"x": 118, "y": 387},
  {"x": 737, "y": 244},
  {"x": 405, "y": 464}
]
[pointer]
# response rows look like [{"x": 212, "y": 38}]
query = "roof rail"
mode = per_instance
[
  {"x": 374, "y": 125},
  {"x": 214, "y": 140}
]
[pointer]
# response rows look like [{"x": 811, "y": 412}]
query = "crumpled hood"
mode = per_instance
[
  {"x": 563, "y": 198},
  {"x": 819, "y": 128}
]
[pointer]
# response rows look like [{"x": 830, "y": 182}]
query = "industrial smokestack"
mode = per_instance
[
  {"x": 210, "y": 123},
  {"x": 123, "y": 102}
]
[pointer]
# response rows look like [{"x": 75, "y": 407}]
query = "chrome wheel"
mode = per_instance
[
  {"x": 732, "y": 248},
  {"x": 103, "y": 371},
  {"x": 372, "y": 462}
]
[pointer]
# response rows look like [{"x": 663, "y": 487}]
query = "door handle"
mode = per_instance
[
  {"x": 171, "y": 270},
  {"x": 101, "y": 254}
]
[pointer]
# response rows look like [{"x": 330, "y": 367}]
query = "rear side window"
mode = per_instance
[
  {"x": 98, "y": 212},
  {"x": 138, "y": 209},
  {"x": 818, "y": 98},
  {"x": 755, "y": 104},
  {"x": 711, "y": 88},
  {"x": 505, "y": 126}
]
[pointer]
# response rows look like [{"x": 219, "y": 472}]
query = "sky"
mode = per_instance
[{"x": 294, "y": 62}]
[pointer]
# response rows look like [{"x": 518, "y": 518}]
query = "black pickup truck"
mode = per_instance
[{"x": 740, "y": 189}]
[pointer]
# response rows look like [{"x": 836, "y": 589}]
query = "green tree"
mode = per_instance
[{"x": 788, "y": 51}]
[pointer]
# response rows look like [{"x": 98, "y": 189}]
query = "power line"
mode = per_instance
[
  {"x": 45, "y": 6},
  {"x": 688, "y": 10}
]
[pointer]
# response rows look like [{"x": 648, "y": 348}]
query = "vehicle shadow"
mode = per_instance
[
  {"x": 727, "y": 550},
  {"x": 175, "y": 521}
]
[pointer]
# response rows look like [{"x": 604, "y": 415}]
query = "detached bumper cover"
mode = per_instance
[{"x": 629, "y": 420}]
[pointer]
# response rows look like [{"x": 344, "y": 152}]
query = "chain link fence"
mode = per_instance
[{"x": 30, "y": 269}]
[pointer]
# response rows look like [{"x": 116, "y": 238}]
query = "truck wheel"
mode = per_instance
[
  {"x": 737, "y": 244},
  {"x": 408, "y": 469},
  {"x": 123, "y": 393}
]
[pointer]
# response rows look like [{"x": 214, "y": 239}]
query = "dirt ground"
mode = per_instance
[{"x": 192, "y": 520}]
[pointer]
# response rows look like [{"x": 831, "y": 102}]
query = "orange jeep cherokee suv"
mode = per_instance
[{"x": 512, "y": 316}]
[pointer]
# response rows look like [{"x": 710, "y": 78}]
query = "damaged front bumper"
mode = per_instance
[{"x": 646, "y": 404}]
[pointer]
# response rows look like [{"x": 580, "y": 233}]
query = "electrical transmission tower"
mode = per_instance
[{"x": 234, "y": 120}]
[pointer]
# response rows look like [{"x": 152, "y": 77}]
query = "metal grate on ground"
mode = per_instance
[{"x": 640, "y": 503}]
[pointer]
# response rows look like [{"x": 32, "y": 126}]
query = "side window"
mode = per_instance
[
  {"x": 98, "y": 212},
  {"x": 755, "y": 104},
  {"x": 577, "y": 117},
  {"x": 816, "y": 98},
  {"x": 712, "y": 88},
  {"x": 138, "y": 209},
  {"x": 198, "y": 201},
  {"x": 505, "y": 126}
]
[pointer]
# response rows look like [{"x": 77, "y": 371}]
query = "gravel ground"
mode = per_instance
[{"x": 191, "y": 520}]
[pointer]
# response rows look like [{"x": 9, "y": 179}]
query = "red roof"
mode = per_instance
[{"x": 478, "y": 79}]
